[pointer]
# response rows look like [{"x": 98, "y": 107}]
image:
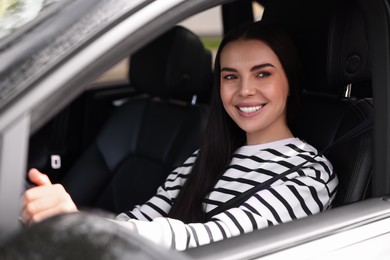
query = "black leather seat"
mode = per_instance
[
  {"x": 329, "y": 114},
  {"x": 151, "y": 134}
]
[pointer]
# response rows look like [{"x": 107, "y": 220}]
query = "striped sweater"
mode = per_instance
[{"x": 307, "y": 191}]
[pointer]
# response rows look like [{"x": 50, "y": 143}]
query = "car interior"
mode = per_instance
[
  {"x": 118, "y": 143},
  {"x": 153, "y": 132}
]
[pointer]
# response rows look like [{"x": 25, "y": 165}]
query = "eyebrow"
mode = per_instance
[
  {"x": 261, "y": 66},
  {"x": 254, "y": 68}
]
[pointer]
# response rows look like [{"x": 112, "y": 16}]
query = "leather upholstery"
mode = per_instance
[
  {"x": 327, "y": 118},
  {"x": 150, "y": 135},
  {"x": 348, "y": 53},
  {"x": 173, "y": 69}
]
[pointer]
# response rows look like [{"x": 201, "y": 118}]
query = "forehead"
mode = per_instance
[{"x": 248, "y": 52}]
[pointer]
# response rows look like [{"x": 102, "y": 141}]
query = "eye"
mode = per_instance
[
  {"x": 229, "y": 77},
  {"x": 263, "y": 74}
]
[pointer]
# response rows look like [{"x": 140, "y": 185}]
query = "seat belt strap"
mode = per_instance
[{"x": 354, "y": 132}]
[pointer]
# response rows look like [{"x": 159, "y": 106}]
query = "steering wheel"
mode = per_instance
[{"x": 82, "y": 236}]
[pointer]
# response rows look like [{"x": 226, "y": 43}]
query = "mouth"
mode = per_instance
[{"x": 251, "y": 109}]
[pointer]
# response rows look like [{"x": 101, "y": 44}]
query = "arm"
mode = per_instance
[
  {"x": 305, "y": 193},
  {"x": 47, "y": 199}
]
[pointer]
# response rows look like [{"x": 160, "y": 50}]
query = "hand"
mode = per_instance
[{"x": 45, "y": 200}]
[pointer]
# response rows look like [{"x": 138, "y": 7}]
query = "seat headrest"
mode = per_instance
[
  {"x": 331, "y": 40},
  {"x": 175, "y": 65},
  {"x": 348, "y": 52}
]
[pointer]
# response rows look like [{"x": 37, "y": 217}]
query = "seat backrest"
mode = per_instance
[
  {"x": 151, "y": 134},
  {"x": 330, "y": 115}
]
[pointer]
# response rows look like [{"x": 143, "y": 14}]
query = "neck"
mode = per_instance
[{"x": 269, "y": 136}]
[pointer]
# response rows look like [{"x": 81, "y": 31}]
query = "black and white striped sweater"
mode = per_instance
[{"x": 307, "y": 191}]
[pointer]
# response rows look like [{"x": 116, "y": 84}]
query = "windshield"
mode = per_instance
[{"x": 16, "y": 13}]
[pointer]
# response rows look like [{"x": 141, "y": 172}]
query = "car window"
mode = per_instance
[
  {"x": 258, "y": 11},
  {"x": 207, "y": 25},
  {"x": 16, "y": 13}
]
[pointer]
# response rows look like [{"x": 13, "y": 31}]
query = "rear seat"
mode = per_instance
[{"x": 150, "y": 135}]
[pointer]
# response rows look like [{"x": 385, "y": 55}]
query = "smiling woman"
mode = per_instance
[{"x": 242, "y": 148}]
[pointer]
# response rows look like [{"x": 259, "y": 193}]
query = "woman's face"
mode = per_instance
[{"x": 254, "y": 90}]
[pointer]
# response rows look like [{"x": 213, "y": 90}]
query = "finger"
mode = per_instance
[
  {"x": 38, "y": 178},
  {"x": 40, "y": 192},
  {"x": 33, "y": 207},
  {"x": 45, "y": 207},
  {"x": 44, "y": 198},
  {"x": 40, "y": 204},
  {"x": 61, "y": 208}
]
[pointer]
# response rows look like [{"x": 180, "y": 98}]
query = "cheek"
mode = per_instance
[
  {"x": 281, "y": 90},
  {"x": 224, "y": 93},
  {"x": 283, "y": 93},
  {"x": 226, "y": 98},
  {"x": 285, "y": 89}
]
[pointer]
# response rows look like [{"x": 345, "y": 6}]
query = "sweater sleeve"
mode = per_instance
[{"x": 305, "y": 193}]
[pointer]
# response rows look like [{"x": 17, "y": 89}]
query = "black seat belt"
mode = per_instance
[{"x": 239, "y": 199}]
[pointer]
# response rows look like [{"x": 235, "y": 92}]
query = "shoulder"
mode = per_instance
[
  {"x": 184, "y": 169},
  {"x": 301, "y": 146},
  {"x": 278, "y": 150},
  {"x": 308, "y": 152},
  {"x": 191, "y": 159},
  {"x": 288, "y": 153},
  {"x": 315, "y": 164}
]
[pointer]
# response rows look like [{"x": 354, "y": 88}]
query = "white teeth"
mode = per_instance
[{"x": 250, "y": 109}]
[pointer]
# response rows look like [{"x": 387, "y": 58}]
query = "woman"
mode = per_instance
[{"x": 248, "y": 140}]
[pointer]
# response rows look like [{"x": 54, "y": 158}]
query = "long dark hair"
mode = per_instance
[{"x": 222, "y": 135}]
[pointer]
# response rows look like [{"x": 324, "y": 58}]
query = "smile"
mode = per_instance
[{"x": 250, "y": 109}]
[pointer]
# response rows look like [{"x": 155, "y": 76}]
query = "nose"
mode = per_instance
[{"x": 247, "y": 88}]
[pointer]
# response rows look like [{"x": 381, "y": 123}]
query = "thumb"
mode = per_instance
[{"x": 38, "y": 178}]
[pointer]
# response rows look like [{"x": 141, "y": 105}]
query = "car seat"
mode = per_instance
[
  {"x": 152, "y": 133},
  {"x": 348, "y": 103},
  {"x": 328, "y": 109}
]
